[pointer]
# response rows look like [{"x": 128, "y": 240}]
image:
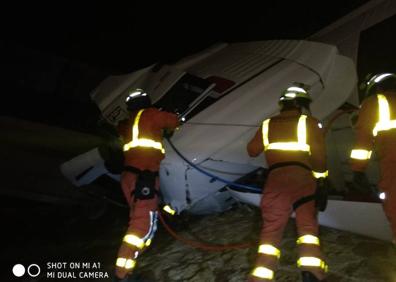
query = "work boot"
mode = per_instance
[{"x": 309, "y": 277}]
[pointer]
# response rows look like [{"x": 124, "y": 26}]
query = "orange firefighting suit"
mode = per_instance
[
  {"x": 293, "y": 144},
  {"x": 143, "y": 151},
  {"x": 376, "y": 125}
]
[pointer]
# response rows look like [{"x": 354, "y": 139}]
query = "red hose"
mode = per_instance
[{"x": 202, "y": 245}]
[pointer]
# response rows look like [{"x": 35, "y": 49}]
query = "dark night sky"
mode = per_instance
[{"x": 58, "y": 54}]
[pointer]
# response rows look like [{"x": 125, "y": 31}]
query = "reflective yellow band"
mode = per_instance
[
  {"x": 383, "y": 126},
  {"x": 265, "y": 133},
  {"x": 302, "y": 130},
  {"x": 120, "y": 262},
  {"x": 312, "y": 261},
  {"x": 125, "y": 263},
  {"x": 320, "y": 174},
  {"x": 308, "y": 239},
  {"x": 169, "y": 210},
  {"x": 134, "y": 240},
  {"x": 383, "y": 107},
  {"x": 263, "y": 272},
  {"x": 288, "y": 146},
  {"x": 384, "y": 123},
  {"x": 269, "y": 250},
  {"x": 141, "y": 142},
  {"x": 300, "y": 145},
  {"x": 360, "y": 154},
  {"x": 148, "y": 242}
]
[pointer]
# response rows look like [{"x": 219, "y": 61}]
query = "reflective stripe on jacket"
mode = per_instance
[
  {"x": 139, "y": 141},
  {"x": 375, "y": 124},
  {"x": 296, "y": 138},
  {"x": 151, "y": 124}
]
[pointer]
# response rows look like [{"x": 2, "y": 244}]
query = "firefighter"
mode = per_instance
[
  {"x": 376, "y": 126},
  {"x": 294, "y": 147},
  {"x": 143, "y": 151}
]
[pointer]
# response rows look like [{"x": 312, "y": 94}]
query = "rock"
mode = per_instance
[{"x": 350, "y": 257}]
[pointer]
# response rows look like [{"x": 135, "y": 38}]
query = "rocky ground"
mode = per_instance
[
  {"x": 43, "y": 234},
  {"x": 350, "y": 257},
  {"x": 39, "y": 228}
]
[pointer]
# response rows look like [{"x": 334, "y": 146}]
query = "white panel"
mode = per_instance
[
  {"x": 159, "y": 83},
  {"x": 361, "y": 218},
  {"x": 238, "y": 115},
  {"x": 76, "y": 166},
  {"x": 180, "y": 181},
  {"x": 340, "y": 85}
]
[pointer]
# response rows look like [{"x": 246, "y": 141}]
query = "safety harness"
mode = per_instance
[
  {"x": 283, "y": 164},
  {"x": 145, "y": 184},
  {"x": 299, "y": 145},
  {"x": 302, "y": 200}
]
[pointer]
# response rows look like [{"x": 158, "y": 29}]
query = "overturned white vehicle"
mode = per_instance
[{"x": 224, "y": 93}]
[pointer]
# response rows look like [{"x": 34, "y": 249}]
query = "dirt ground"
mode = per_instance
[{"x": 43, "y": 234}]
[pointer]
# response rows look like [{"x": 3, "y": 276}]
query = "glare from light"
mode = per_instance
[
  {"x": 381, "y": 77},
  {"x": 290, "y": 95},
  {"x": 382, "y": 195},
  {"x": 320, "y": 125},
  {"x": 135, "y": 94},
  {"x": 297, "y": 89}
]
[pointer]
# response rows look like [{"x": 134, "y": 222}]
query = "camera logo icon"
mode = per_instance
[{"x": 33, "y": 270}]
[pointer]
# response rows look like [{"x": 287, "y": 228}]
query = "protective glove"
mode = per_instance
[
  {"x": 361, "y": 182},
  {"x": 168, "y": 133},
  {"x": 322, "y": 190}
]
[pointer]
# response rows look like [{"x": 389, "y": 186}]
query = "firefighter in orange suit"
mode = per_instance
[
  {"x": 376, "y": 125},
  {"x": 143, "y": 151},
  {"x": 294, "y": 147}
]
